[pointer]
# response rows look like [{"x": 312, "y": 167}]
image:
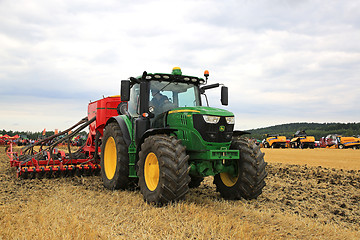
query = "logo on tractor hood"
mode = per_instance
[{"x": 222, "y": 128}]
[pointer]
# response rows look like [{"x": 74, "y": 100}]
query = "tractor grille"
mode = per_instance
[
  {"x": 183, "y": 119},
  {"x": 211, "y": 132}
]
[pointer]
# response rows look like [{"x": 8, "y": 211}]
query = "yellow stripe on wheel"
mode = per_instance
[
  {"x": 151, "y": 171},
  {"x": 110, "y": 158},
  {"x": 228, "y": 179}
]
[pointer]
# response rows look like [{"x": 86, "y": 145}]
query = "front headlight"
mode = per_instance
[
  {"x": 230, "y": 120},
  {"x": 211, "y": 119}
]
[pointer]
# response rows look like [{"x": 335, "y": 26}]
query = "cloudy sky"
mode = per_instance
[{"x": 283, "y": 61}]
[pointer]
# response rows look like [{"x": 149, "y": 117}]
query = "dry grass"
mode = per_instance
[{"x": 80, "y": 208}]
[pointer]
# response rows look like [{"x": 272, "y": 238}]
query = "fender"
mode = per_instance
[
  {"x": 154, "y": 131},
  {"x": 124, "y": 128}
]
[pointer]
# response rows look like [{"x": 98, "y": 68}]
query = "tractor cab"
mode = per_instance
[
  {"x": 301, "y": 133},
  {"x": 164, "y": 96},
  {"x": 151, "y": 97},
  {"x": 160, "y": 92}
]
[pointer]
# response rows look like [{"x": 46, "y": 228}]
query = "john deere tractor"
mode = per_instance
[{"x": 166, "y": 140}]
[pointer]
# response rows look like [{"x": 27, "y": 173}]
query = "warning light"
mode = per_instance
[
  {"x": 176, "y": 71},
  {"x": 206, "y": 73}
]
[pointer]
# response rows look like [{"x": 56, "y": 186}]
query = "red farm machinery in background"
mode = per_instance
[
  {"x": 47, "y": 159},
  {"x": 339, "y": 141}
]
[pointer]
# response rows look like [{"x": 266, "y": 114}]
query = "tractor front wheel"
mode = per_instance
[
  {"x": 163, "y": 169},
  {"x": 114, "y": 158},
  {"x": 250, "y": 179}
]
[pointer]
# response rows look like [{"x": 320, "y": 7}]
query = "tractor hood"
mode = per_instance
[{"x": 203, "y": 110}]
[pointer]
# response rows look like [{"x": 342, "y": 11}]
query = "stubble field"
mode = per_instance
[{"x": 310, "y": 194}]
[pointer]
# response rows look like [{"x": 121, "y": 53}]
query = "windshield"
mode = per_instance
[{"x": 165, "y": 96}]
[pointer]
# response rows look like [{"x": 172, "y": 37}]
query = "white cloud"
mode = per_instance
[{"x": 281, "y": 59}]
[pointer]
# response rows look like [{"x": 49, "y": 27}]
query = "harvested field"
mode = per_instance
[
  {"x": 348, "y": 159},
  {"x": 309, "y": 195}
]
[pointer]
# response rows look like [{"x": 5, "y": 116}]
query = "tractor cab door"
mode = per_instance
[{"x": 134, "y": 102}]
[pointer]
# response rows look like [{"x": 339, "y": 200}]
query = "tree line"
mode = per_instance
[{"x": 317, "y": 130}]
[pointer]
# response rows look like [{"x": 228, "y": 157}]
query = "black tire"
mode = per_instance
[
  {"x": 114, "y": 158},
  {"x": 251, "y": 173},
  {"x": 341, "y": 146},
  {"x": 195, "y": 182},
  {"x": 163, "y": 170}
]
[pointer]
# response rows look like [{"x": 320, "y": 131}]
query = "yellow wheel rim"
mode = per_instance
[
  {"x": 151, "y": 171},
  {"x": 228, "y": 179},
  {"x": 110, "y": 158}
]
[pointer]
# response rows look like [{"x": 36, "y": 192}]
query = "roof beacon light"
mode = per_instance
[
  {"x": 176, "y": 71},
  {"x": 206, "y": 74}
]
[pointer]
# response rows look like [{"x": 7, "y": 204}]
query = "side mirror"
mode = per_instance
[
  {"x": 125, "y": 90},
  {"x": 224, "y": 95}
]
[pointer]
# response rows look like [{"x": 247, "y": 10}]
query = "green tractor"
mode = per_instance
[{"x": 166, "y": 140}]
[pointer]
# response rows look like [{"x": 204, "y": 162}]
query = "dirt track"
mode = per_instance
[{"x": 325, "y": 195}]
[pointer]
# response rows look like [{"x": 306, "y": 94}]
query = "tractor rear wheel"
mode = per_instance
[
  {"x": 250, "y": 179},
  {"x": 163, "y": 169},
  {"x": 114, "y": 158}
]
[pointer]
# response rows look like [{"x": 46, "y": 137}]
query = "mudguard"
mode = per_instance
[
  {"x": 124, "y": 128},
  {"x": 154, "y": 131}
]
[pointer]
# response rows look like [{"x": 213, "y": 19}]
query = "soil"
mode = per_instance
[{"x": 329, "y": 195}]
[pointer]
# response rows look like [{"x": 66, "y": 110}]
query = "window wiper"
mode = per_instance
[{"x": 163, "y": 88}]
